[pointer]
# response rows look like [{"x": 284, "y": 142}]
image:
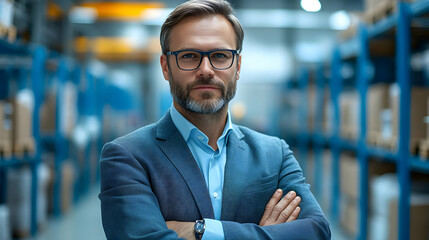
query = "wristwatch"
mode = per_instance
[{"x": 199, "y": 228}]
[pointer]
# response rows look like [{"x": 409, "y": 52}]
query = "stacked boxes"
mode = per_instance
[{"x": 418, "y": 112}]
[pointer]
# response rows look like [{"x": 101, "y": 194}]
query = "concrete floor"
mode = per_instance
[{"x": 82, "y": 222}]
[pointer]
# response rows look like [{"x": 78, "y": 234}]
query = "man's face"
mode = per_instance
[{"x": 204, "y": 90}]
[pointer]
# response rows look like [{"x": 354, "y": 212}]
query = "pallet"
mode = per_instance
[
  {"x": 382, "y": 10},
  {"x": 26, "y": 145},
  {"x": 8, "y": 33}
]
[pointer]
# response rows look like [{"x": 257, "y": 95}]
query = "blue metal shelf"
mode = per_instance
[
  {"x": 396, "y": 27},
  {"x": 420, "y": 164},
  {"x": 348, "y": 145},
  {"x": 420, "y": 7},
  {"x": 13, "y": 48},
  {"x": 384, "y": 154},
  {"x": 16, "y": 161}
]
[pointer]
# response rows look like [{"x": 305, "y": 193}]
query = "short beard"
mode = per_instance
[{"x": 208, "y": 105}]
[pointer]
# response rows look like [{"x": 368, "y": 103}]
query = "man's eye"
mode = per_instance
[
  {"x": 218, "y": 55},
  {"x": 189, "y": 55}
]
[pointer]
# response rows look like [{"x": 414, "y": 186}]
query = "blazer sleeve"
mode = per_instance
[
  {"x": 311, "y": 223},
  {"x": 129, "y": 208}
]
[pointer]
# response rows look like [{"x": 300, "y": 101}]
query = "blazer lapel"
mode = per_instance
[
  {"x": 175, "y": 148},
  {"x": 236, "y": 170}
]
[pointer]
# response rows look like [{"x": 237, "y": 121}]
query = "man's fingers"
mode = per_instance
[
  {"x": 282, "y": 208},
  {"x": 294, "y": 214},
  {"x": 289, "y": 210},
  {"x": 270, "y": 205}
]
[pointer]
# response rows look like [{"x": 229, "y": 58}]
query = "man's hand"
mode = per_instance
[
  {"x": 183, "y": 229},
  {"x": 280, "y": 210}
]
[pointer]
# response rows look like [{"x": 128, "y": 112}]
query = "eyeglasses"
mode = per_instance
[{"x": 189, "y": 60}]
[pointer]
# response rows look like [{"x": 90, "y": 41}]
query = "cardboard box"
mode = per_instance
[
  {"x": 419, "y": 220},
  {"x": 349, "y": 218},
  {"x": 22, "y": 130},
  {"x": 48, "y": 113},
  {"x": 377, "y": 101},
  {"x": 349, "y": 174},
  {"x": 68, "y": 177},
  {"x": 349, "y": 115},
  {"x": 5, "y": 128},
  {"x": 418, "y": 112}
]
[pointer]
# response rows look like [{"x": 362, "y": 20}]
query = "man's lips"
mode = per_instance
[{"x": 206, "y": 87}]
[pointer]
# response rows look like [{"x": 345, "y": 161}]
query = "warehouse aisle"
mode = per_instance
[{"x": 83, "y": 221}]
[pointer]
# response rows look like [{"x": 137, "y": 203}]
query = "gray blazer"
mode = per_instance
[{"x": 150, "y": 176}]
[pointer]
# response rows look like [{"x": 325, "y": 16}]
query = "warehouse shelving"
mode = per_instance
[
  {"x": 37, "y": 55},
  {"x": 356, "y": 51},
  {"x": 31, "y": 66}
]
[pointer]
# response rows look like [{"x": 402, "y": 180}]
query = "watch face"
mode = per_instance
[{"x": 199, "y": 227}]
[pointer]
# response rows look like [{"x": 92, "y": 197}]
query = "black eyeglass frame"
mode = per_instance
[{"x": 203, "y": 53}]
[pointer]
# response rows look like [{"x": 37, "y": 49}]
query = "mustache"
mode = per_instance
[{"x": 207, "y": 81}]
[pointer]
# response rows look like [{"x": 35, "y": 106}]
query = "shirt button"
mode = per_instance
[
  {"x": 215, "y": 195},
  {"x": 200, "y": 137}
]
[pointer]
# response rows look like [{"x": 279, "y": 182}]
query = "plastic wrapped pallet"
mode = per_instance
[
  {"x": 43, "y": 174},
  {"x": 19, "y": 200},
  {"x": 5, "y": 233}
]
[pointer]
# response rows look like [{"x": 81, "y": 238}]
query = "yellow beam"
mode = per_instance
[
  {"x": 121, "y": 11},
  {"x": 115, "y": 49}
]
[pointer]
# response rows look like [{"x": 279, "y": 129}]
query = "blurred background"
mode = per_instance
[{"x": 344, "y": 82}]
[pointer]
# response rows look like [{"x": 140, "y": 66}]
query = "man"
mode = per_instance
[{"x": 194, "y": 174}]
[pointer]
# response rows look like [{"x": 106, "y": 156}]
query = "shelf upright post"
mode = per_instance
[
  {"x": 303, "y": 117},
  {"x": 318, "y": 129},
  {"x": 59, "y": 139},
  {"x": 362, "y": 85},
  {"x": 37, "y": 76},
  {"x": 404, "y": 81},
  {"x": 335, "y": 85}
]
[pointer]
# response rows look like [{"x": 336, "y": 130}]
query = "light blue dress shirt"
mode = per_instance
[{"x": 212, "y": 165}]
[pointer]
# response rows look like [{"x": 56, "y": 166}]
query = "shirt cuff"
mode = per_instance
[{"x": 214, "y": 230}]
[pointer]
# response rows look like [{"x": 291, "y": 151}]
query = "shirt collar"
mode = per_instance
[{"x": 185, "y": 127}]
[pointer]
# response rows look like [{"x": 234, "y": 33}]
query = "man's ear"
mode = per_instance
[
  {"x": 164, "y": 67},
  {"x": 237, "y": 76}
]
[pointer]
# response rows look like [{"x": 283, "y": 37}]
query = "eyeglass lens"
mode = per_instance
[{"x": 191, "y": 60}]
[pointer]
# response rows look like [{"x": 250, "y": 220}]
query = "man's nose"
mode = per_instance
[{"x": 205, "y": 69}]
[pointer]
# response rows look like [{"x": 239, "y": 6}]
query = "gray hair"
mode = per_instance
[{"x": 200, "y": 8}]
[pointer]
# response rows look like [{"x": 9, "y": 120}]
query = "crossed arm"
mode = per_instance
[{"x": 278, "y": 210}]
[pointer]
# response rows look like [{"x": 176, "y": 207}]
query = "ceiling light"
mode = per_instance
[
  {"x": 83, "y": 15},
  {"x": 311, "y": 5},
  {"x": 340, "y": 20}
]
